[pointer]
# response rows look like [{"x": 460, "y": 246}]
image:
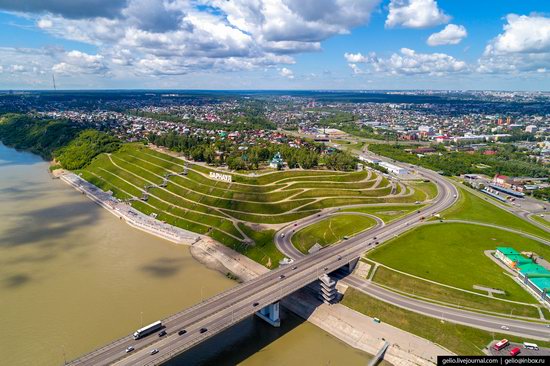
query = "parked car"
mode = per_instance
[{"x": 515, "y": 351}]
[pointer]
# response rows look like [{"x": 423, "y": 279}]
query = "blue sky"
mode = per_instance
[{"x": 275, "y": 44}]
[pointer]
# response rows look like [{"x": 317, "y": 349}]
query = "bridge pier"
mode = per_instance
[
  {"x": 271, "y": 314},
  {"x": 352, "y": 264}
]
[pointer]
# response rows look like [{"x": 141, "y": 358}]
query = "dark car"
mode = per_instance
[
  {"x": 295, "y": 267},
  {"x": 203, "y": 330},
  {"x": 256, "y": 304},
  {"x": 162, "y": 333},
  {"x": 182, "y": 332},
  {"x": 282, "y": 276}
]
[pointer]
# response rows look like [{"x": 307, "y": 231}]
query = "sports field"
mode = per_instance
[
  {"x": 453, "y": 254},
  {"x": 183, "y": 194}
]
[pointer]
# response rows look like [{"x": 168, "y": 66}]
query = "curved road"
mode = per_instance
[
  {"x": 283, "y": 240},
  {"x": 229, "y": 307}
]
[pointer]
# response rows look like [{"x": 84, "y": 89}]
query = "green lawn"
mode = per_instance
[
  {"x": 330, "y": 231},
  {"x": 541, "y": 220},
  {"x": 386, "y": 213},
  {"x": 459, "y": 339},
  {"x": 473, "y": 208},
  {"x": 453, "y": 254},
  {"x": 264, "y": 250},
  {"x": 425, "y": 289}
]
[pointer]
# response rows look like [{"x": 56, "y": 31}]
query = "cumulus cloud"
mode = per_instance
[
  {"x": 67, "y": 8},
  {"x": 356, "y": 69},
  {"x": 522, "y": 47},
  {"x": 451, "y": 34},
  {"x": 409, "y": 62},
  {"x": 146, "y": 36},
  {"x": 287, "y": 73},
  {"x": 76, "y": 62},
  {"x": 415, "y": 14}
]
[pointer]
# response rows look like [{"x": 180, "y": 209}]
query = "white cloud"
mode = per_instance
[
  {"x": 356, "y": 69},
  {"x": 409, "y": 62},
  {"x": 287, "y": 73},
  {"x": 522, "y": 47},
  {"x": 451, "y": 34},
  {"x": 415, "y": 14},
  {"x": 143, "y": 36},
  {"x": 17, "y": 68},
  {"x": 356, "y": 57},
  {"x": 76, "y": 62},
  {"x": 525, "y": 34}
]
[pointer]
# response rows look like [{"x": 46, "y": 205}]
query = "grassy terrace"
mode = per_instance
[
  {"x": 221, "y": 210},
  {"x": 331, "y": 230},
  {"x": 459, "y": 339},
  {"x": 453, "y": 254}
]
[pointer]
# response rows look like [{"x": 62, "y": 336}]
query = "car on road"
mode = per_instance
[
  {"x": 154, "y": 351},
  {"x": 182, "y": 332},
  {"x": 203, "y": 330},
  {"x": 504, "y": 327},
  {"x": 326, "y": 268},
  {"x": 346, "y": 237},
  {"x": 256, "y": 304},
  {"x": 162, "y": 333},
  {"x": 295, "y": 267},
  {"x": 376, "y": 320},
  {"x": 282, "y": 276},
  {"x": 339, "y": 257},
  {"x": 515, "y": 351},
  {"x": 295, "y": 224},
  {"x": 129, "y": 349}
]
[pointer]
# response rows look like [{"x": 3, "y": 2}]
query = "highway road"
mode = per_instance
[
  {"x": 283, "y": 241},
  {"x": 229, "y": 307}
]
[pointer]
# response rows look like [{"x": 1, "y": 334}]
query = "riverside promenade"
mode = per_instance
[{"x": 127, "y": 213}]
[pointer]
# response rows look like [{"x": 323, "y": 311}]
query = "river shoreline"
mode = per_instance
[{"x": 337, "y": 320}]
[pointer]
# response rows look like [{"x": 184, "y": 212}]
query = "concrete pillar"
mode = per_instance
[
  {"x": 271, "y": 314},
  {"x": 327, "y": 290},
  {"x": 352, "y": 264}
]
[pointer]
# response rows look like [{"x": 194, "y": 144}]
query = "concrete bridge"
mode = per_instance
[{"x": 260, "y": 295}]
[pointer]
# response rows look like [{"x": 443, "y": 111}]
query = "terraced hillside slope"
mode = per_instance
[{"x": 183, "y": 194}]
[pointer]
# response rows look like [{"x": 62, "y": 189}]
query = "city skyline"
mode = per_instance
[{"x": 341, "y": 44}]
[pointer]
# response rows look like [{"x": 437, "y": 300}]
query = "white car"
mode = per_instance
[
  {"x": 129, "y": 349},
  {"x": 154, "y": 351},
  {"x": 504, "y": 327}
]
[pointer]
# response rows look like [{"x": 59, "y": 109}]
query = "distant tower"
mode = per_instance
[
  {"x": 508, "y": 120},
  {"x": 500, "y": 121}
]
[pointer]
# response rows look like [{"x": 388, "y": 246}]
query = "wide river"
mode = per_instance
[{"x": 73, "y": 277}]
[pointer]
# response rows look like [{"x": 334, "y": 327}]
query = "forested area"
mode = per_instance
[
  {"x": 507, "y": 161},
  {"x": 223, "y": 151},
  {"x": 72, "y": 145}
]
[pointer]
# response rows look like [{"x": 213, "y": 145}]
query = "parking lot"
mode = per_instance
[{"x": 524, "y": 352}]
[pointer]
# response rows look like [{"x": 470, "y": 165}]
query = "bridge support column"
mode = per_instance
[
  {"x": 327, "y": 289},
  {"x": 352, "y": 264},
  {"x": 271, "y": 314}
]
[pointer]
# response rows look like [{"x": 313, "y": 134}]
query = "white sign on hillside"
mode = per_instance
[{"x": 222, "y": 177}]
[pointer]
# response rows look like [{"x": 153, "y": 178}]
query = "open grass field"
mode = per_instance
[
  {"x": 473, "y": 208},
  {"x": 386, "y": 213},
  {"x": 183, "y": 194},
  {"x": 454, "y": 297},
  {"x": 460, "y": 339},
  {"x": 453, "y": 254},
  {"x": 330, "y": 231},
  {"x": 541, "y": 220}
]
